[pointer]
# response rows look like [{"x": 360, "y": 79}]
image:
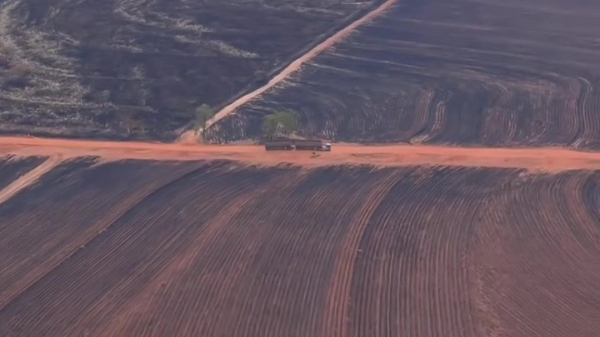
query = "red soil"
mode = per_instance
[{"x": 544, "y": 159}]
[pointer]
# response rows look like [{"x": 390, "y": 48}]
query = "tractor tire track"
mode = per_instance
[
  {"x": 93, "y": 233},
  {"x": 337, "y": 306}
]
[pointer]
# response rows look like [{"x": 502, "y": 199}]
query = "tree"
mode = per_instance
[
  {"x": 203, "y": 114},
  {"x": 283, "y": 122}
]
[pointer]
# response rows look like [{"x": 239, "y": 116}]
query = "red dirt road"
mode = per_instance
[
  {"x": 295, "y": 66},
  {"x": 544, "y": 159},
  {"x": 28, "y": 178}
]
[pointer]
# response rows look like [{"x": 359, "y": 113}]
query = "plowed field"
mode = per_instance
[
  {"x": 141, "y": 248},
  {"x": 469, "y": 72},
  {"x": 12, "y": 167}
]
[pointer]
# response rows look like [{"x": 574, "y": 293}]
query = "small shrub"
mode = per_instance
[{"x": 131, "y": 122}]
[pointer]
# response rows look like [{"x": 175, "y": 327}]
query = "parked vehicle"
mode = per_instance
[
  {"x": 297, "y": 144},
  {"x": 279, "y": 145},
  {"x": 312, "y": 145}
]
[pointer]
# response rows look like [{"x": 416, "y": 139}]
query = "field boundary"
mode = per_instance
[
  {"x": 535, "y": 159},
  {"x": 108, "y": 221},
  {"x": 335, "y": 34},
  {"x": 28, "y": 178}
]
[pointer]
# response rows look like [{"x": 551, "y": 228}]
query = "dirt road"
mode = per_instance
[
  {"x": 544, "y": 159},
  {"x": 294, "y": 66},
  {"x": 28, "y": 178}
]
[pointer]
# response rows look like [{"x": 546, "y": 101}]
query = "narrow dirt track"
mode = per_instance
[
  {"x": 28, "y": 178},
  {"x": 295, "y": 66},
  {"x": 543, "y": 159}
]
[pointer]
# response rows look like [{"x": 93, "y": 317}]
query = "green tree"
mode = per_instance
[
  {"x": 203, "y": 114},
  {"x": 283, "y": 122}
]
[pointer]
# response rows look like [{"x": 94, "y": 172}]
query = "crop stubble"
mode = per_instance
[
  {"x": 219, "y": 248},
  {"x": 32, "y": 246}
]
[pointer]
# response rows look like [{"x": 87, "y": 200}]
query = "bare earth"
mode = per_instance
[{"x": 537, "y": 159}]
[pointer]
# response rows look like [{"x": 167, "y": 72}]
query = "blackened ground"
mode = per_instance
[
  {"x": 139, "y": 68},
  {"x": 468, "y": 72},
  {"x": 11, "y": 168}
]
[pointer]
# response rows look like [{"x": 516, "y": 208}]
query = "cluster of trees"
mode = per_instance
[
  {"x": 132, "y": 122},
  {"x": 204, "y": 113},
  {"x": 279, "y": 123}
]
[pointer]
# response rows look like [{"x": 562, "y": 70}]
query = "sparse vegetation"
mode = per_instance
[
  {"x": 18, "y": 74},
  {"x": 132, "y": 122},
  {"x": 7, "y": 52}
]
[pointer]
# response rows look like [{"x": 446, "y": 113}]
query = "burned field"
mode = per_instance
[
  {"x": 221, "y": 249},
  {"x": 467, "y": 72},
  {"x": 12, "y": 167},
  {"x": 113, "y": 68}
]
